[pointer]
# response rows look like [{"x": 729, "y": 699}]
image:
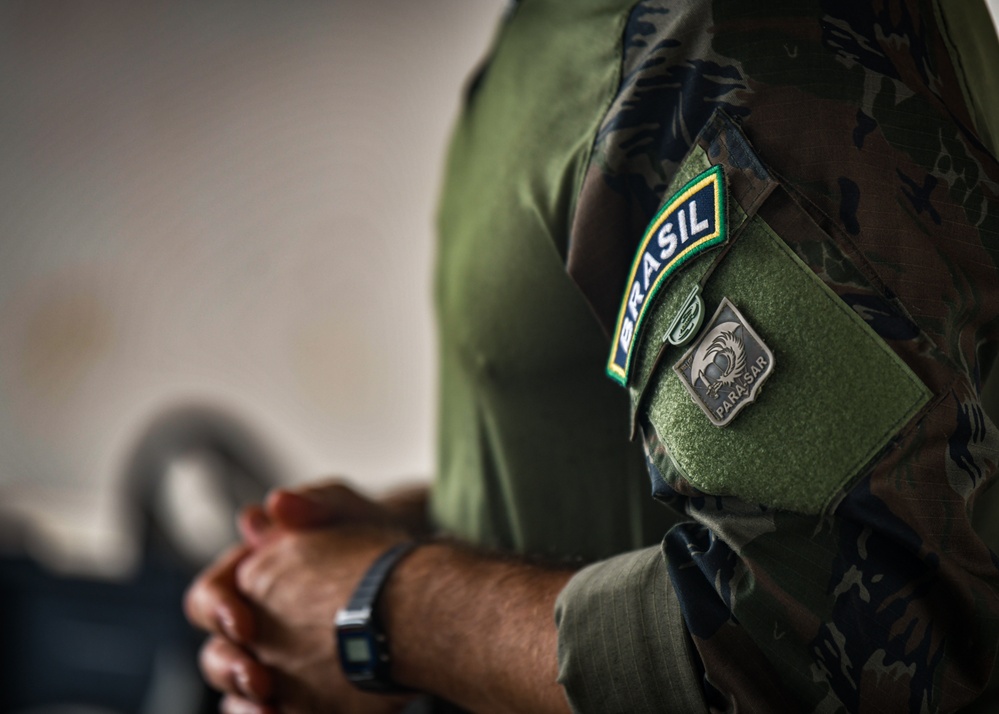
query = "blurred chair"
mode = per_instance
[{"x": 72, "y": 645}]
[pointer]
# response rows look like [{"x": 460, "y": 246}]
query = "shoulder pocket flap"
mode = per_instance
[{"x": 786, "y": 393}]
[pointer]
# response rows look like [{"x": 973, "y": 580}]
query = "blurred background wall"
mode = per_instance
[{"x": 227, "y": 203}]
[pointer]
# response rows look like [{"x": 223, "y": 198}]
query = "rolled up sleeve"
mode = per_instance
[{"x": 622, "y": 643}]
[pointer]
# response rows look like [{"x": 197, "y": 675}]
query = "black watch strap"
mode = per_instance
[
  {"x": 371, "y": 584},
  {"x": 361, "y": 640}
]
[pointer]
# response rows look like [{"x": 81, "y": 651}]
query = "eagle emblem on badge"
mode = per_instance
[
  {"x": 725, "y": 368},
  {"x": 725, "y": 343}
]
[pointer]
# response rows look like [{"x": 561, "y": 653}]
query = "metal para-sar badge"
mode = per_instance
[{"x": 724, "y": 369}]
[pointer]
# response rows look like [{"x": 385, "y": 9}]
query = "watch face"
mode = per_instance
[
  {"x": 358, "y": 653},
  {"x": 356, "y": 649}
]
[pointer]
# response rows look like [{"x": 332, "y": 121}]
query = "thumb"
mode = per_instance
[
  {"x": 254, "y": 525},
  {"x": 319, "y": 507}
]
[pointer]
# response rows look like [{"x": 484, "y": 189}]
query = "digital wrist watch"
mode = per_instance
[{"x": 360, "y": 636}]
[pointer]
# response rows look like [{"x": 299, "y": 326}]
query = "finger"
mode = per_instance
[
  {"x": 254, "y": 525},
  {"x": 230, "y": 669},
  {"x": 236, "y": 705},
  {"x": 213, "y": 604},
  {"x": 319, "y": 506},
  {"x": 298, "y": 512}
]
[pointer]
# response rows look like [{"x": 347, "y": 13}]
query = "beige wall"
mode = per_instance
[{"x": 227, "y": 202}]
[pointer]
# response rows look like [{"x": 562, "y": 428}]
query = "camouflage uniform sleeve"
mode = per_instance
[
  {"x": 823, "y": 430},
  {"x": 635, "y": 632}
]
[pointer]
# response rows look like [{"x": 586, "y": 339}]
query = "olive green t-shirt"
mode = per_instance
[{"x": 534, "y": 454}]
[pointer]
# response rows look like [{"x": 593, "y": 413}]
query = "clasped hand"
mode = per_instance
[{"x": 269, "y": 603}]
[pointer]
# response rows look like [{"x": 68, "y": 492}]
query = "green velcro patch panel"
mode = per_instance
[{"x": 837, "y": 396}]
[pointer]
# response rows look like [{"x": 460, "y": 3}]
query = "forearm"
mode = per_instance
[{"x": 476, "y": 630}]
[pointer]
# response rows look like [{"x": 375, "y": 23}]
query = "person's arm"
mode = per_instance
[
  {"x": 472, "y": 628},
  {"x": 476, "y": 629}
]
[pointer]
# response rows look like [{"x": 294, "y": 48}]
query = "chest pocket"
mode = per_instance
[{"x": 785, "y": 393}]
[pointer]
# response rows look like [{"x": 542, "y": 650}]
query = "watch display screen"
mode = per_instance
[{"x": 357, "y": 649}]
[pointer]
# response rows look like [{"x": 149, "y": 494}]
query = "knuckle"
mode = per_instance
[
  {"x": 247, "y": 577},
  {"x": 188, "y": 604},
  {"x": 244, "y": 576},
  {"x": 208, "y": 663},
  {"x": 197, "y": 605}
]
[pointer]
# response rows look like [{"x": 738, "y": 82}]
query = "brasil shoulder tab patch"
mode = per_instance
[{"x": 689, "y": 223}]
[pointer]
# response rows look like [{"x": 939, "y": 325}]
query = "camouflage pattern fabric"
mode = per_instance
[{"x": 885, "y": 599}]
